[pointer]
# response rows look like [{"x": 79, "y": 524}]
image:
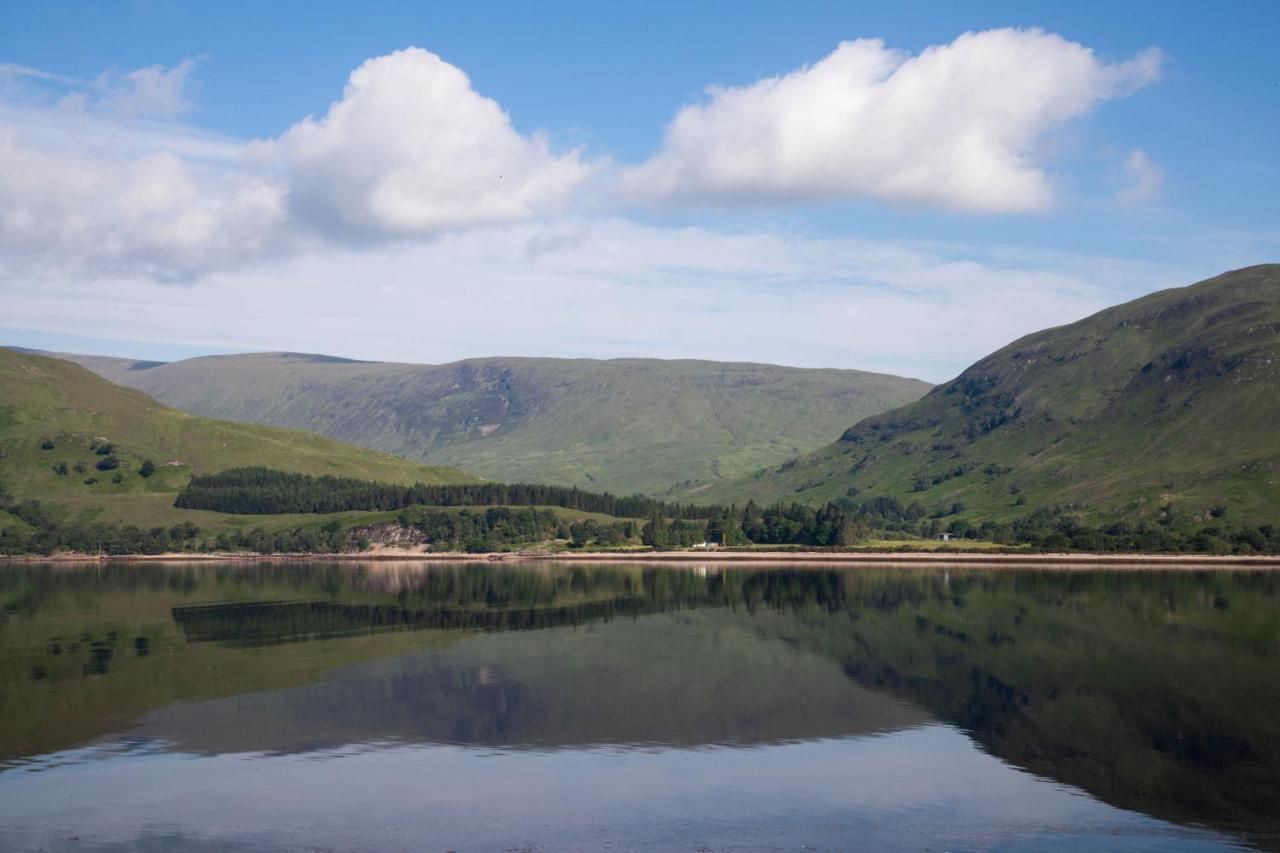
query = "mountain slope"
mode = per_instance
[
  {"x": 622, "y": 425},
  {"x": 1172, "y": 399},
  {"x": 51, "y": 401}
]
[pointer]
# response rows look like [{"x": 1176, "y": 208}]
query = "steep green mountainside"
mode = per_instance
[
  {"x": 623, "y": 425},
  {"x": 1169, "y": 403},
  {"x": 55, "y": 414}
]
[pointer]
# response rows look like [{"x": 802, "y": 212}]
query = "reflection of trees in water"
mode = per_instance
[
  {"x": 488, "y": 599},
  {"x": 259, "y": 622}
]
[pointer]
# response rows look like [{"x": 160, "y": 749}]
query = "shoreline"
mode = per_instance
[{"x": 851, "y": 559}]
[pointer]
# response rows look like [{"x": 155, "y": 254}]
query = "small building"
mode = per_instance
[{"x": 945, "y": 537}]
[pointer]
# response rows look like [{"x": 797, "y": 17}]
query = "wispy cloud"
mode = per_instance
[
  {"x": 607, "y": 288},
  {"x": 10, "y": 72},
  {"x": 152, "y": 92},
  {"x": 1144, "y": 179}
]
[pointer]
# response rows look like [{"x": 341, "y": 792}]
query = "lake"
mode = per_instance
[{"x": 404, "y": 706}]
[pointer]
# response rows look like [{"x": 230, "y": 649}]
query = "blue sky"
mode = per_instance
[{"x": 1135, "y": 148}]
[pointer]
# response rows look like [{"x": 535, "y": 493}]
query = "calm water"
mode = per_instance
[{"x": 562, "y": 707}]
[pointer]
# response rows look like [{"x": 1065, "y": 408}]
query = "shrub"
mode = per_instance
[
  {"x": 108, "y": 463},
  {"x": 148, "y": 468},
  {"x": 47, "y": 444}
]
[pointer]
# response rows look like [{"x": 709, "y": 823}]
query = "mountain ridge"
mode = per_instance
[{"x": 621, "y": 425}]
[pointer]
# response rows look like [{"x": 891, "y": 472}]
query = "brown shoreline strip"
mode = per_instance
[{"x": 802, "y": 558}]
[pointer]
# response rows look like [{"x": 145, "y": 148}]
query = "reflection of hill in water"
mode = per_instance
[
  {"x": 669, "y": 679},
  {"x": 1152, "y": 691}
]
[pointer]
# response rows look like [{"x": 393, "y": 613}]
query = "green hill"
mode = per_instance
[
  {"x": 1167, "y": 404},
  {"x": 623, "y": 425},
  {"x": 56, "y": 416}
]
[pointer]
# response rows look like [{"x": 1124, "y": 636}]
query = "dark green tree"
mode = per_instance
[{"x": 657, "y": 533}]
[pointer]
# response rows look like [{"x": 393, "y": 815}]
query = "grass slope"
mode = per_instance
[
  {"x": 1170, "y": 400},
  {"x": 622, "y": 425},
  {"x": 46, "y": 398}
]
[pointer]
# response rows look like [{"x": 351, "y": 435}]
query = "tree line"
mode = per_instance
[
  {"x": 795, "y": 524},
  {"x": 1054, "y": 529},
  {"x": 498, "y": 526},
  {"x": 264, "y": 491},
  {"x": 44, "y": 533}
]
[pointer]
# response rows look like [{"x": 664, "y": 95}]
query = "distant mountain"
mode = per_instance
[
  {"x": 1169, "y": 403},
  {"x": 55, "y": 415},
  {"x": 621, "y": 425}
]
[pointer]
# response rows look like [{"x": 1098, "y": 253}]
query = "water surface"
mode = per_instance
[{"x": 558, "y": 707}]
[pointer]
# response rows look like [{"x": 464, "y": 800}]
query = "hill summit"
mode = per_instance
[{"x": 1169, "y": 404}]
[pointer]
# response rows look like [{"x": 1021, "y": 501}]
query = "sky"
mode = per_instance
[{"x": 900, "y": 188}]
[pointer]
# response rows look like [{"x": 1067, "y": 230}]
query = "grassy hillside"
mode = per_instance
[
  {"x": 622, "y": 426},
  {"x": 1169, "y": 403},
  {"x": 46, "y": 401}
]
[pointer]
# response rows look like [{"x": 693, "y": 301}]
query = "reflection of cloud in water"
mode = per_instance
[{"x": 926, "y": 787}]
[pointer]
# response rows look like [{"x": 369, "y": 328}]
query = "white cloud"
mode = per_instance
[
  {"x": 413, "y": 149},
  {"x": 153, "y": 214},
  {"x": 151, "y": 92},
  {"x": 90, "y": 180},
  {"x": 956, "y": 126},
  {"x": 11, "y": 71},
  {"x": 1144, "y": 179}
]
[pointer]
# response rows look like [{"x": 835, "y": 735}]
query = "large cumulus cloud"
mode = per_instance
[{"x": 955, "y": 126}]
